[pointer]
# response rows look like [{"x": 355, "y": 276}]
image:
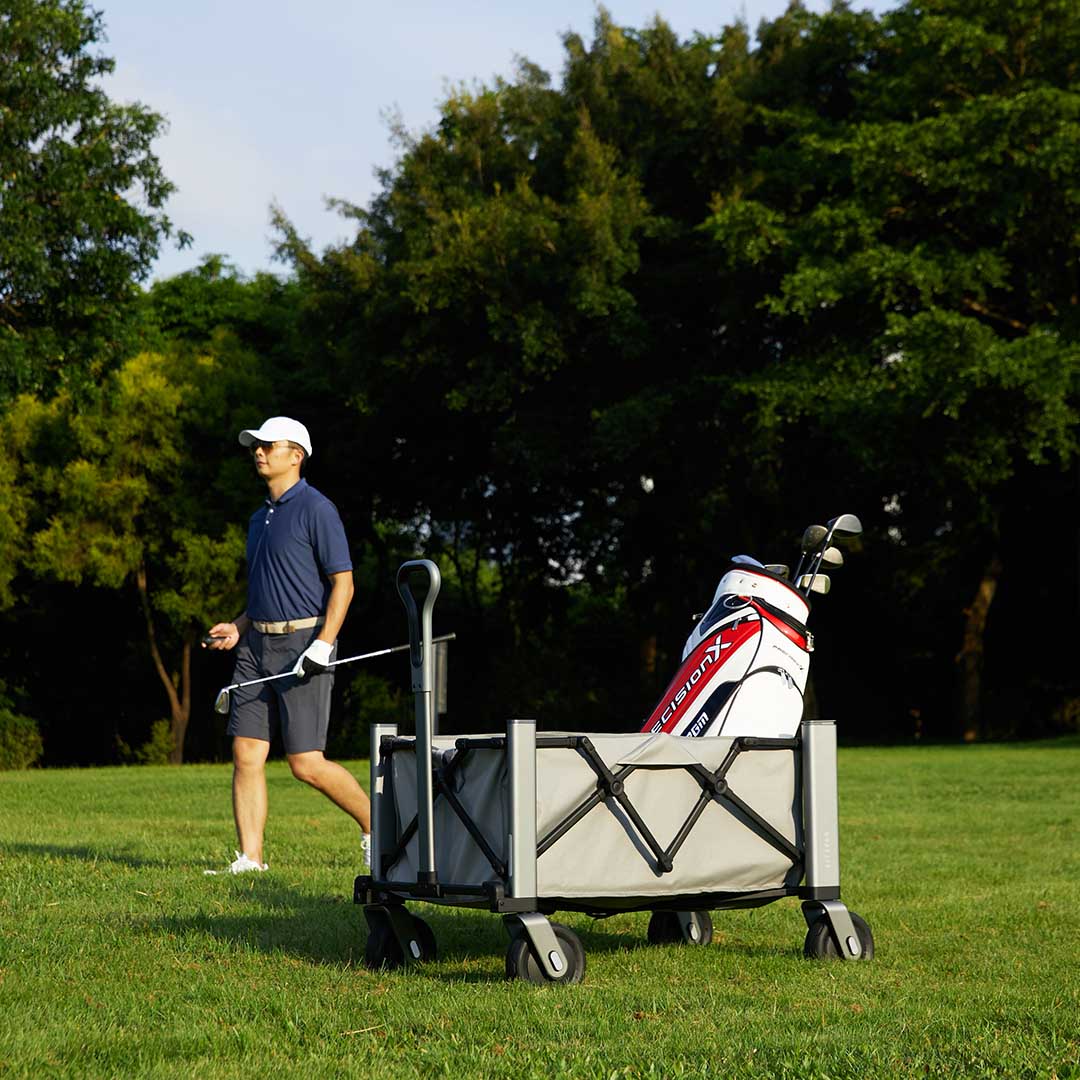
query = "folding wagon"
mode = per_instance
[{"x": 525, "y": 824}]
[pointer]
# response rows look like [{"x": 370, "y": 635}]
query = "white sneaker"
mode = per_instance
[
  {"x": 245, "y": 863},
  {"x": 365, "y": 847}
]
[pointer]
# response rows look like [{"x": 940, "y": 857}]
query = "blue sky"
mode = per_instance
[{"x": 279, "y": 100}]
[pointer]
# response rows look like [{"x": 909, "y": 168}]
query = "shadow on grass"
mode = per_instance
[
  {"x": 81, "y": 852},
  {"x": 322, "y": 930},
  {"x": 598, "y": 939},
  {"x": 330, "y": 930}
]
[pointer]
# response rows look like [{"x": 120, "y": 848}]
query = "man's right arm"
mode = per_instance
[{"x": 228, "y": 634}]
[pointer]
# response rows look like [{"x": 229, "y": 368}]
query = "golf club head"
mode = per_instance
[
  {"x": 845, "y": 527},
  {"x": 778, "y": 568},
  {"x": 814, "y": 537},
  {"x": 744, "y": 560},
  {"x": 221, "y": 703},
  {"x": 818, "y": 583},
  {"x": 832, "y": 557}
]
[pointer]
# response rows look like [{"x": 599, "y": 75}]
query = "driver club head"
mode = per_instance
[
  {"x": 845, "y": 527},
  {"x": 817, "y": 583},
  {"x": 221, "y": 703},
  {"x": 814, "y": 537},
  {"x": 832, "y": 557}
]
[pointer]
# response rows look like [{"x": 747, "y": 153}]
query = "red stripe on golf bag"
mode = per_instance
[{"x": 699, "y": 670}]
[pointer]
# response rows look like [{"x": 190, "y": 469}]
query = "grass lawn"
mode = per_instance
[{"x": 118, "y": 956}]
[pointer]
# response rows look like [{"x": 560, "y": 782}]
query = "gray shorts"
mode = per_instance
[{"x": 301, "y": 707}]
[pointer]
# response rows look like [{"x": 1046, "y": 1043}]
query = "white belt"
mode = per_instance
[{"x": 288, "y": 627}]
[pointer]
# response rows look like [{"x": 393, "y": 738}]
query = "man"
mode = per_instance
[{"x": 300, "y": 586}]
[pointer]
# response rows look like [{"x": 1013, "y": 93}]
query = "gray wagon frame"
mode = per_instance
[{"x": 506, "y": 881}]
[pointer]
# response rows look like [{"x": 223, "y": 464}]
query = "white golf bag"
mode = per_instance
[{"x": 745, "y": 663}]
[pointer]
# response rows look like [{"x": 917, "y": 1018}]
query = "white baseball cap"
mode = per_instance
[{"x": 278, "y": 427}]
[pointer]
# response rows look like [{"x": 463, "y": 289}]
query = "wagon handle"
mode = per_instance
[{"x": 421, "y": 662}]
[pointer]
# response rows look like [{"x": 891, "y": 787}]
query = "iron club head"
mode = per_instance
[
  {"x": 222, "y": 703},
  {"x": 818, "y": 583},
  {"x": 779, "y": 569}
]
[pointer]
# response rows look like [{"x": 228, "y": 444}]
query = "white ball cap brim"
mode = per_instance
[{"x": 278, "y": 427}]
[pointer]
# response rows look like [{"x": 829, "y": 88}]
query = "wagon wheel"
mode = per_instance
[
  {"x": 666, "y": 929},
  {"x": 521, "y": 963},
  {"x": 425, "y": 940},
  {"x": 383, "y": 950},
  {"x": 820, "y": 944}
]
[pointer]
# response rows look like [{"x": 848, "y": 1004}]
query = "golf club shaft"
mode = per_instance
[
  {"x": 336, "y": 663},
  {"x": 798, "y": 568},
  {"x": 815, "y": 563},
  {"x": 383, "y": 652},
  {"x": 809, "y": 548},
  {"x": 849, "y": 525}
]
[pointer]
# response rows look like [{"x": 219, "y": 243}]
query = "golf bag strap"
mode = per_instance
[{"x": 801, "y": 635}]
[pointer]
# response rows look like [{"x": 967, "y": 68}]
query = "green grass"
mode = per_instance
[{"x": 118, "y": 957}]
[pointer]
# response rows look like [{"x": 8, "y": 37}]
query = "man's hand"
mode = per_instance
[
  {"x": 314, "y": 660},
  {"x": 223, "y": 635}
]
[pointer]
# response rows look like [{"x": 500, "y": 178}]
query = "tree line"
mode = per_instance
[{"x": 592, "y": 337}]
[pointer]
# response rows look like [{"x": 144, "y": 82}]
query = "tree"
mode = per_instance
[
  {"x": 132, "y": 491},
  {"x": 537, "y": 351},
  {"x": 81, "y": 197},
  {"x": 918, "y": 254},
  {"x": 707, "y": 289}
]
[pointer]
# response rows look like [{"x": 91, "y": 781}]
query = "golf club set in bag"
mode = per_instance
[
  {"x": 727, "y": 797},
  {"x": 746, "y": 662}
]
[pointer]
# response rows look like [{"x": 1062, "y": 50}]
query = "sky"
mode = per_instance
[{"x": 287, "y": 101}]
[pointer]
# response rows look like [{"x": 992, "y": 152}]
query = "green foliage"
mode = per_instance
[
  {"x": 81, "y": 197},
  {"x": 158, "y": 750},
  {"x": 20, "y": 740},
  {"x": 368, "y": 699},
  {"x": 190, "y": 306},
  {"x": 118, "y": 486},
  {"x": 215, "y": 300},
  {"x": 591, "y": 338},
  {"x": 197, "y": 570},
  {"x": 139, "y": 488},
  {"x": 705, "y": 290}
]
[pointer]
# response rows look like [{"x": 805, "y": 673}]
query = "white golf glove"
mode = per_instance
[{"x": 314, "y": 660}]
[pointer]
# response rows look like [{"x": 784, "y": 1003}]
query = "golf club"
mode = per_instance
[
  {"x": 779, "y": 569},
  {"x": 843, "y": 527},
  {"x": 817, "y": 583},
  {"x": 223, "y": 700},
  {"x": 812, "y": 540},
  {"x": 832, "y": 557}
]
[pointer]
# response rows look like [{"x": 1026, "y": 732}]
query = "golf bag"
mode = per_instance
[{"x": 744, "y": 664}]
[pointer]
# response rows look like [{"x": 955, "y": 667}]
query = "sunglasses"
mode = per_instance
[{"x": 266, "y": 447}]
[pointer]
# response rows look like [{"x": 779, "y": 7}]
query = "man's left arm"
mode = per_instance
[
  {"x": 315, "y": 659},
  {"x": 337, "y": 606},
  {"x": 332, "y": 556}
]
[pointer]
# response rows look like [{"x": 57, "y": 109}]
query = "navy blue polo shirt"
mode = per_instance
[{"x": 292, "y": 545}]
